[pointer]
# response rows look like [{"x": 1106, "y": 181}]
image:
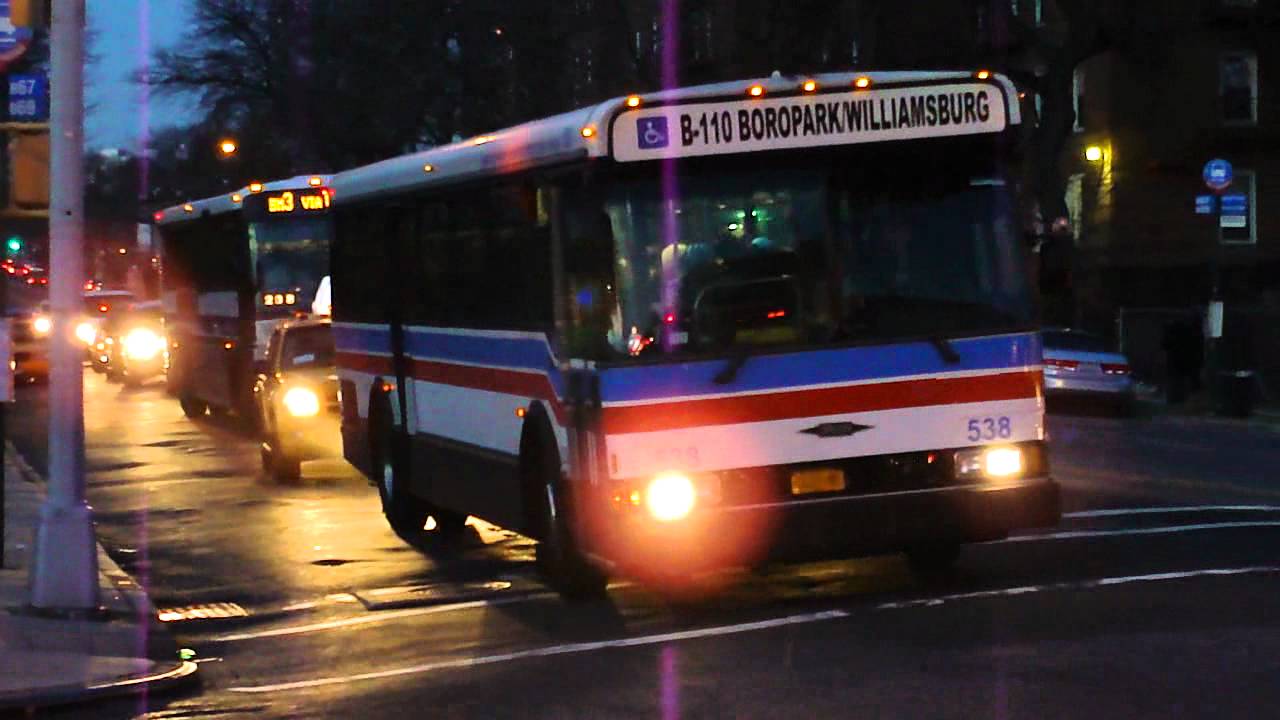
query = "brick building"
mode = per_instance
[{"x": 1192, "y": 85}]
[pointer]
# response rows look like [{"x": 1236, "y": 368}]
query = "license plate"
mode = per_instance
[{"x": 804, "y": 482}]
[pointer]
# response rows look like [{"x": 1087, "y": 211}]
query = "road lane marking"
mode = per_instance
[
  {"x": 1085, "y": 585},
  {"x": 1162, "y": 530},
  {"x": 1170, "y": 510},
  {"x": 737, "y": 629},
  {"x": 379, "y": 617},
  {"x": 553, "y": 650}
]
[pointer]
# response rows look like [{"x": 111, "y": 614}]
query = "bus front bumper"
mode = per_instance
[{"x": 826, "y": 528}]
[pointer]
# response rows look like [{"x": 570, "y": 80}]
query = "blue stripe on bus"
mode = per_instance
[
  {"x": 820, "y": 367},
  {"x": 362, "y": 339},
  {"x": 761, "y": 373}
]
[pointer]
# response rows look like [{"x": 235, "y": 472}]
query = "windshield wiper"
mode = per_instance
[
  {"x": 731, "y": 368},
  {"x": 945, "y": 349}
]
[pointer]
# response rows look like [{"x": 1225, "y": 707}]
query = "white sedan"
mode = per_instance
[{"x": 1080, "y": 365}]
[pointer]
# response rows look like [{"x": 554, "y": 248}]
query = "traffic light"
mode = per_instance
[
  {"x": 13, "y": 245},
  {"x": 29, "y": 170}
]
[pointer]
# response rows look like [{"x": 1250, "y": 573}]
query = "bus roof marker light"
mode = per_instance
[
  {"x": 633, "y": 101},
  {"x": 428, "y": 168},
  {"x": 756, "y": 90},
  {"x": 237, "y": 198},
  {"x": 588, "y": 132},
  {"x": 315, "y": 181},
  {"x": 159, "y": 215},
  {"x": 255, "y": 187},
  {"x": 862, "y": 83},
  {"x": 984, "y": 74},
  {"x": 810, "y": 86},
  {"x": 188, "y": 207}
]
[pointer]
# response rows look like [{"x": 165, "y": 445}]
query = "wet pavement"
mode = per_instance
[{"x": 1156, "y": 596}]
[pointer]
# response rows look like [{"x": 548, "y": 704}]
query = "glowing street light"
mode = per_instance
[{"x": 228, "y": 147}]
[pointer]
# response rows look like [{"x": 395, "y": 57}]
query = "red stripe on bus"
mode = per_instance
[
  {"x": 816, "y": 403},
  {"x": 509, "y": 382},
  {"x": 372, "y": 364}
]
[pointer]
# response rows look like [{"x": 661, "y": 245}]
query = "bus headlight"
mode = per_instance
[
  {"x": 86, "y": 332},
  {"x": 42, "y": 326},
  {"x": 670, "y": 497},
  {"x": 992, "y": 463},
  {"x": 143, "y": 344},
  {"x": 302, "y": 402}
]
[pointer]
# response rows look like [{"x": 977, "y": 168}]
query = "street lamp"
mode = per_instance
[
  {"x": 228, "y": 147},
  {"x": 1093, "y": 153}
]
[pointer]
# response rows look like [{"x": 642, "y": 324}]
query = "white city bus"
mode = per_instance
[
  {"x": 234, "y": 265},
  {"x": 716, "y": 326}
]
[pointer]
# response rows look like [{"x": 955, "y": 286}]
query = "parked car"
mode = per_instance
[
  {"x": 1084, "y": 366},
  {"x": 297, "y": 398}
]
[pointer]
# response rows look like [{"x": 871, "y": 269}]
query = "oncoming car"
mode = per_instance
[
  {"x": 1083, "y": 366},
  {"x": 98, "y": 306},
  {"x": 31, "y": 344},
  {"x": 139, "y": 351},
  {"x": 297, "y": 398}
]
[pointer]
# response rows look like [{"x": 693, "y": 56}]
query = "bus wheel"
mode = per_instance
[
  {"x": 406, "y": 514},
  {"x": 933, "y": 561},
  {"x": 558, "y": 557},
  {"x": 193, "y": 407}
]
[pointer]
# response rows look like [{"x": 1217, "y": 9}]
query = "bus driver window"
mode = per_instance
[{"x": 593, "y": 298}]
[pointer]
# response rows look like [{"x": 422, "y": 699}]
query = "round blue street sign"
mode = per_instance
[{"x": 1218, "y": 174}]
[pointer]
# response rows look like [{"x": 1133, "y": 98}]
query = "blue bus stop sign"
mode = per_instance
[{"x": 1218, "y": 175}]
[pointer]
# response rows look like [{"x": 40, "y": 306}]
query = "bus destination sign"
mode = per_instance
[
  {"x": 298, "y": 201},
  {"x": 806, "y": 121}
]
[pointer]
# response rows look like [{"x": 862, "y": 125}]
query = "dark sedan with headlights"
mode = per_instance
[{"x": 297, "y": 398}]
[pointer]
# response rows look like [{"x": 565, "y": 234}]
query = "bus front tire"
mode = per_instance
[
  {"x": 193, "y": 407},
  {"x": 558, "y": 558}
]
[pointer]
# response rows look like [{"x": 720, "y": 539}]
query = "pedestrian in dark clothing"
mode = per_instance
[{"x": 1175, "y": 356}]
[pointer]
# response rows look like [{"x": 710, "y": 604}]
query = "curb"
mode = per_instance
[
  {"x": 179, "y": 674},
  {"x": 163, "y": 674}
]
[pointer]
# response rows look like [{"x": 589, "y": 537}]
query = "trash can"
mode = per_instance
[{"x": 1235, "y": 393}]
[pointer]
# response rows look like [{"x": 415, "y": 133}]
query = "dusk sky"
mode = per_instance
[{"x": 126, "y": 32}]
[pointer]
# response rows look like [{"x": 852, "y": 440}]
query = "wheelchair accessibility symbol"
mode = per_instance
[{"x": 652, "y": 133}]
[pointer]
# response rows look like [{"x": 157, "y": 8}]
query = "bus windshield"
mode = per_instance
[
  {"x": 291, "y": 254},
  {"x": 802, "y": 255}
]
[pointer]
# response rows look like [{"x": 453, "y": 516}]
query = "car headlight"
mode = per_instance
[
  {"x": 143, "y": 344},
  {"x": 302, "y": 402},
  {"x": 992, "y": 463},
  {"x": 670, "y": 497},
  {"x": 86, "y": 332},
  {"x": 42, "y": 326}
]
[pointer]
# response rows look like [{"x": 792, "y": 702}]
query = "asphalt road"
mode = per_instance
[{"x": 1159, "y": 596}]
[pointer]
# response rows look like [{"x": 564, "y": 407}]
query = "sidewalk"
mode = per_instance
[
  {"x": 49, "y": 661},
  {"x": 1200, "y": 407}
]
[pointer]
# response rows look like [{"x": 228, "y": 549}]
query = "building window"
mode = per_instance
[
  {"x": 1238, "y": 84},
  {"x": 1235, "y": 228},
  {"x": 1077, "y": 98},
  {"x": 1038, "y": 6}
]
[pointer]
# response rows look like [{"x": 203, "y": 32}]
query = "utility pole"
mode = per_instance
[{"x": 64, "y": 576}]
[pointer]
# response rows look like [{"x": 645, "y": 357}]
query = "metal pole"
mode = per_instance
[{"x": 64, "y": 576}]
